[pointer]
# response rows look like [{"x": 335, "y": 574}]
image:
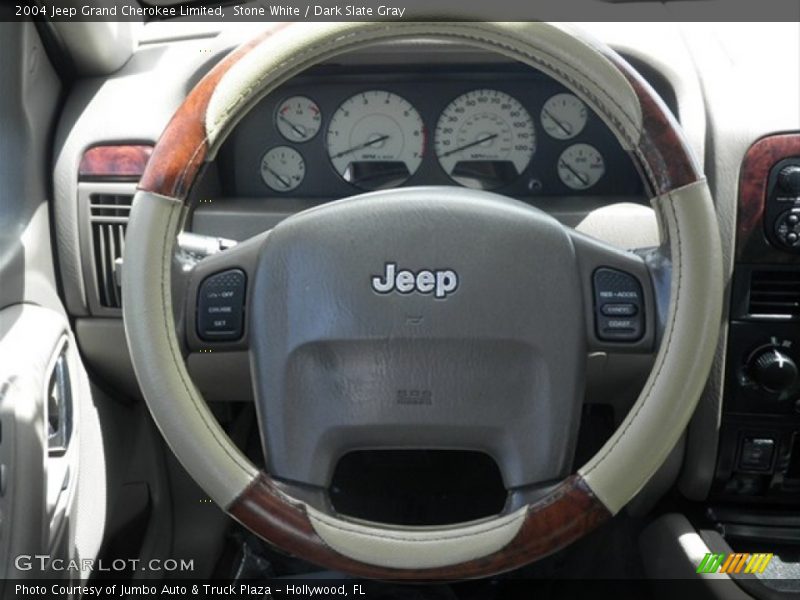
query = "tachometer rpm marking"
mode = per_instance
[{"x": 376, "y": 140}]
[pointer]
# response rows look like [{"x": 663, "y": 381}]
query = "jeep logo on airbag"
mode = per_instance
[{"x": 440, "y": 282}]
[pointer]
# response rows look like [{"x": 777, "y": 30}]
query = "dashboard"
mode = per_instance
[
  {"x": 743, "y": 443},
  {"x": 335, "y": 132}
]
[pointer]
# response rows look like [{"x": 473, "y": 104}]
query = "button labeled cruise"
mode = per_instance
[{"x": 220, "y": 306}]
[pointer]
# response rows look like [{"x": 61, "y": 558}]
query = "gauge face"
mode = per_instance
[
  {"x": 376, "y": 140},
  {"x": 564, "y": 116},
  {"x": 485, "y": 139},
  {"x": 283, "y": 168},
  {"x": 580, "y": 166},
  {"x": 298, "y": 118}
]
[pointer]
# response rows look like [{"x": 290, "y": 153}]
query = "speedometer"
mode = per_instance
[
  {"x": 376, "y": 140},
  {"x": 485, "y": 139}
]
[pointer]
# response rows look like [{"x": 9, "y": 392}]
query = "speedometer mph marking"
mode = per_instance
[
  {"x": 485, "y": 139},
  {"x": 376, "y": 140}
]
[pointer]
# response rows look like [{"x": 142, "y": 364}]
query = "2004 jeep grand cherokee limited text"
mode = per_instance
[{"x": 412, "y": 309}]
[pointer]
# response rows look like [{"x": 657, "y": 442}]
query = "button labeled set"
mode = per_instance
[{"x": 220, "y": 306}]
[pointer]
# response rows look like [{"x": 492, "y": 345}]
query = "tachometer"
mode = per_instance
[
  {"x": 376, "y": 140},
  {"x": 485, "y": 139}
]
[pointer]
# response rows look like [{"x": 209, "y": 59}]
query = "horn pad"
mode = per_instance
[{"x": 418, "y": 318}]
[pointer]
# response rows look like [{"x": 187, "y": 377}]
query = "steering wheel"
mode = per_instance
[{"x": 426, "y": 318}]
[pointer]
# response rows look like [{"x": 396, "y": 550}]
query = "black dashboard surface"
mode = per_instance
[{"x": 429, "y": 89}]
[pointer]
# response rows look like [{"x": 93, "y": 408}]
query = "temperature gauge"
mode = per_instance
[
  {"x": 298, "y": 118},
  {"x": 283, "y": 168}
]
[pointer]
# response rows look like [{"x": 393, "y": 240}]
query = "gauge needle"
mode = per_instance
[
  {"x": 377, "y": 140},
  {"x": 470, "y": 145},
  {"x": 565, "y": 128},
  {"x": 294, "y": 127},
  {"x": 581, "y": 178},
  {"x": 286, "y": 182}
]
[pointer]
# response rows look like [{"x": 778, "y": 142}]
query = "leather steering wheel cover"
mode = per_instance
[{"x": 575, "y": 506}]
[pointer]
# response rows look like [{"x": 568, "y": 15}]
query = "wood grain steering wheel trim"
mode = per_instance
[
  {"x": 564, "y": 515},
  {"x": 570, "y": 510}
]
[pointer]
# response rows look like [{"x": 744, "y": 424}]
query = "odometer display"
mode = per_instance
[{"x": 485, "y": 139}]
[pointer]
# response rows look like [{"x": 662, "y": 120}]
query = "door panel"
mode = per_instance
[
  {"x": 52, "y": 467},
  {"x": 34, "y": 345}
]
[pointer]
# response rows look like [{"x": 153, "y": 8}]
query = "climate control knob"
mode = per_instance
[
  {"x": 789, "y": 179},
  {"x": 773, "y": 370}
]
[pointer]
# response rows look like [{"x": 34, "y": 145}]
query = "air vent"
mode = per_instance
[
  {"x": 775, "y": 293},
  {"x": 109, "y": 217}
]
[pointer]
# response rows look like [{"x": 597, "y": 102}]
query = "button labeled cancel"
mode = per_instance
[
  {"x": 618, "y": 310},
  {"x": 619, "y": 306}
]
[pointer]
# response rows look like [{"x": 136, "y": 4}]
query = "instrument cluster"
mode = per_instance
[{"x": 514, "y": 131}]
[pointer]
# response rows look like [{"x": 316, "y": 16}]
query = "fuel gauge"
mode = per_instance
[{"x": 283, "y": 168}]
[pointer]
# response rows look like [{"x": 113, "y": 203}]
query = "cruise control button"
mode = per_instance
[
  {"x": 213, "y": 310},
  {"x": 220, "y": 306},
  {"x": 621, "y": 324},
  {"x": 618, "y": 310},
  {"x": 619, "y": 306}
]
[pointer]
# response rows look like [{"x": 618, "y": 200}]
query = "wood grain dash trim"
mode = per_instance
[
  {"x": 123, "y": 162},
  {"x": 751, "y": 242},
  {"x": 570, "y": 511}
]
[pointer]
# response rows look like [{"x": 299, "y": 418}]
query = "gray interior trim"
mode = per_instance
[
  {"x": 31, "y": 337},
  {"x": 96, "y": 47},
  {"x": 28, "y": 106}
]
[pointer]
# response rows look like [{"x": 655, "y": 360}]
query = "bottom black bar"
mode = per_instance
[{"x": 491, "y": 589}]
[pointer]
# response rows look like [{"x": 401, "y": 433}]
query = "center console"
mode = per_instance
[
  {"x": 751, "y": 510},
  {"x": 759, "y": 453}
]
